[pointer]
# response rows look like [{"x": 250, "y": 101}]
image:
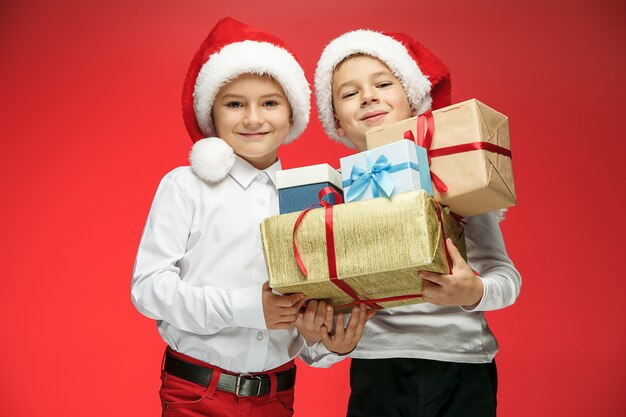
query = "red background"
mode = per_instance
[{"x": 91, "y": 121}]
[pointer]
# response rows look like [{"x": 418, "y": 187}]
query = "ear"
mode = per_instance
[
  {"x": 338, "y": 129},
  {"x": 413, "y": 112}
]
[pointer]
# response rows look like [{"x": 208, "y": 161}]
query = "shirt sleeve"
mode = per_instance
[
  {"x": 157, "y": 289},
  {"x": 317, "y": 356},
  {"x": 487, "y": 255}
]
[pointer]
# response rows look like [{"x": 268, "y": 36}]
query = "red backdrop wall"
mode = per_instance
[{"x": 91, "y": 121}]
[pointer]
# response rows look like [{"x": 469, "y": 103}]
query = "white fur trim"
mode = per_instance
[
  {"x": 258, "y": 58},
  {"x": 211, "y": 159},
  {"x": 393, "y": 53}
]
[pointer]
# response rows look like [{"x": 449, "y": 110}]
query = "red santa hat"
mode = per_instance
[
  {"x": 426, "y": 80},
  {"x": 230, "y": 50}
]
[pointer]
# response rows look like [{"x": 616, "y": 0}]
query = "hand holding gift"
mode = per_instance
[
  {"x": 280, "y": 311},
  {"x": 317, "y": 314},
  {"x": 462, "y": 287},
  {"x": 343, "y": 340},
  {"x": 316, "y": 322}
]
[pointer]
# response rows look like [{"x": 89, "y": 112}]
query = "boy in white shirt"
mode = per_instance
[
  {"x": 434, "y": 358},
  {"x": 200, "y": 271}
]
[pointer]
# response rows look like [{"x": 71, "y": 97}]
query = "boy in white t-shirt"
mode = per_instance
[{"x": 434, "y": 358}]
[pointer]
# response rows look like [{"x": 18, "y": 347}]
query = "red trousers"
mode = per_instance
[{"x": 181, "y": 398}]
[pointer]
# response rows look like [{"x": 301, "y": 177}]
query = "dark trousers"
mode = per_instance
[{"x": 402, "y": 387}]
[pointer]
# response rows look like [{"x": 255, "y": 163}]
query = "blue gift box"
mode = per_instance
[
  {"x": 384, "y": 171},
  {"x": 298, "y": 188}
]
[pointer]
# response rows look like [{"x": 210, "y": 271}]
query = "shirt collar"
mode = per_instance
[{"x": 244, "y": 173}]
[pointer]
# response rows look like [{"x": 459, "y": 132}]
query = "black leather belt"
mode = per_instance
[{"x": 244, "y": 385}]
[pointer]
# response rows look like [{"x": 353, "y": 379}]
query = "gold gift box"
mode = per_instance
[
  {"x": 478, "y": 181},
  {"x": 380, "y": 246}
]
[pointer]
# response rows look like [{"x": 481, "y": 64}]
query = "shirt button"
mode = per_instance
[
  {"x": 261, "y": 201},
  {"x": 259, "y": 336},
  {"x": 259, "y": 177}
]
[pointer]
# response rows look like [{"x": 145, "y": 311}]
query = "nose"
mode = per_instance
[
  {"x": 253, "y": 117},
  {"x": 369, "y": 96}
]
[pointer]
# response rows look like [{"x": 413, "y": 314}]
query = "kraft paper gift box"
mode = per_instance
[
  {"x": 298, "y": 188},
  {"x": 385, "y": 171},
  {"x": 379, "y": 246},
  {"x": 469, "y": 153}
]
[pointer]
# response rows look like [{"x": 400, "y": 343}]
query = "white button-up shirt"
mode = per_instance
[{"x": 200, "y": 269}]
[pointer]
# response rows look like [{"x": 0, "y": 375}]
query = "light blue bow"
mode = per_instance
[{"x": 378, "y": 176}]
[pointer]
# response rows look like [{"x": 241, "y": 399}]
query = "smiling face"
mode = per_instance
[
  {"x": 252, "y": 114},
  {"x": 366, "y": 94}
]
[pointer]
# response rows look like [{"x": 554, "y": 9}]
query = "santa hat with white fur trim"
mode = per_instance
[
  {"x": 230, "y": 50},
  {"x": 426, "y": 80}
]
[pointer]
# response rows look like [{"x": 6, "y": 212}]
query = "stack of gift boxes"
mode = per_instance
[{"x": 363, "y": 234}]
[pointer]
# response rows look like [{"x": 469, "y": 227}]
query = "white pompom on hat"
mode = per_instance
[
  {"x": 426, "y": 80},
  {"x": 232, "y": 49},
  {"x": 211, "y": 159}
]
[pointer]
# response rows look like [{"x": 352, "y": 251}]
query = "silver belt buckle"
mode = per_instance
[{"x": 247, "y": 376}]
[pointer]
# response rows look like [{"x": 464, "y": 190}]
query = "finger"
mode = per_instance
[
  {"x": 297, "y": 306},
  {"x": 290, "y": 311},
  {"x": 353, "y": 323},
  {"x": 430, "y": 286},
  {"x": 300, "y": 321},
  {"x": 325, "y": 336},
  {"x": 371, "y": 313},
  {"x": 320, "y": 314},
  {"x": 266, "y": 286},
  {"x": 363, "y": 314},
  {"x": 339, "y": 329},
  {"x": 361, "y": 325},
  {"x": 303, "y": 328},
  {"x": 311, "y": 308},
  {"x": 289, "y": 300},
  {"x": 287, "y": 317},
  {"x": 328, "y": 319},
  {"x": 455, "y": 255},
  {"x": 309, "y": 313},
  {"x": 432, "y": 277},
  {"x": 430, "y": 290}
]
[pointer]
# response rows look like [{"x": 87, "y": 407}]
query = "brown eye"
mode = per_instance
[{"x": 234, "y": 104}]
